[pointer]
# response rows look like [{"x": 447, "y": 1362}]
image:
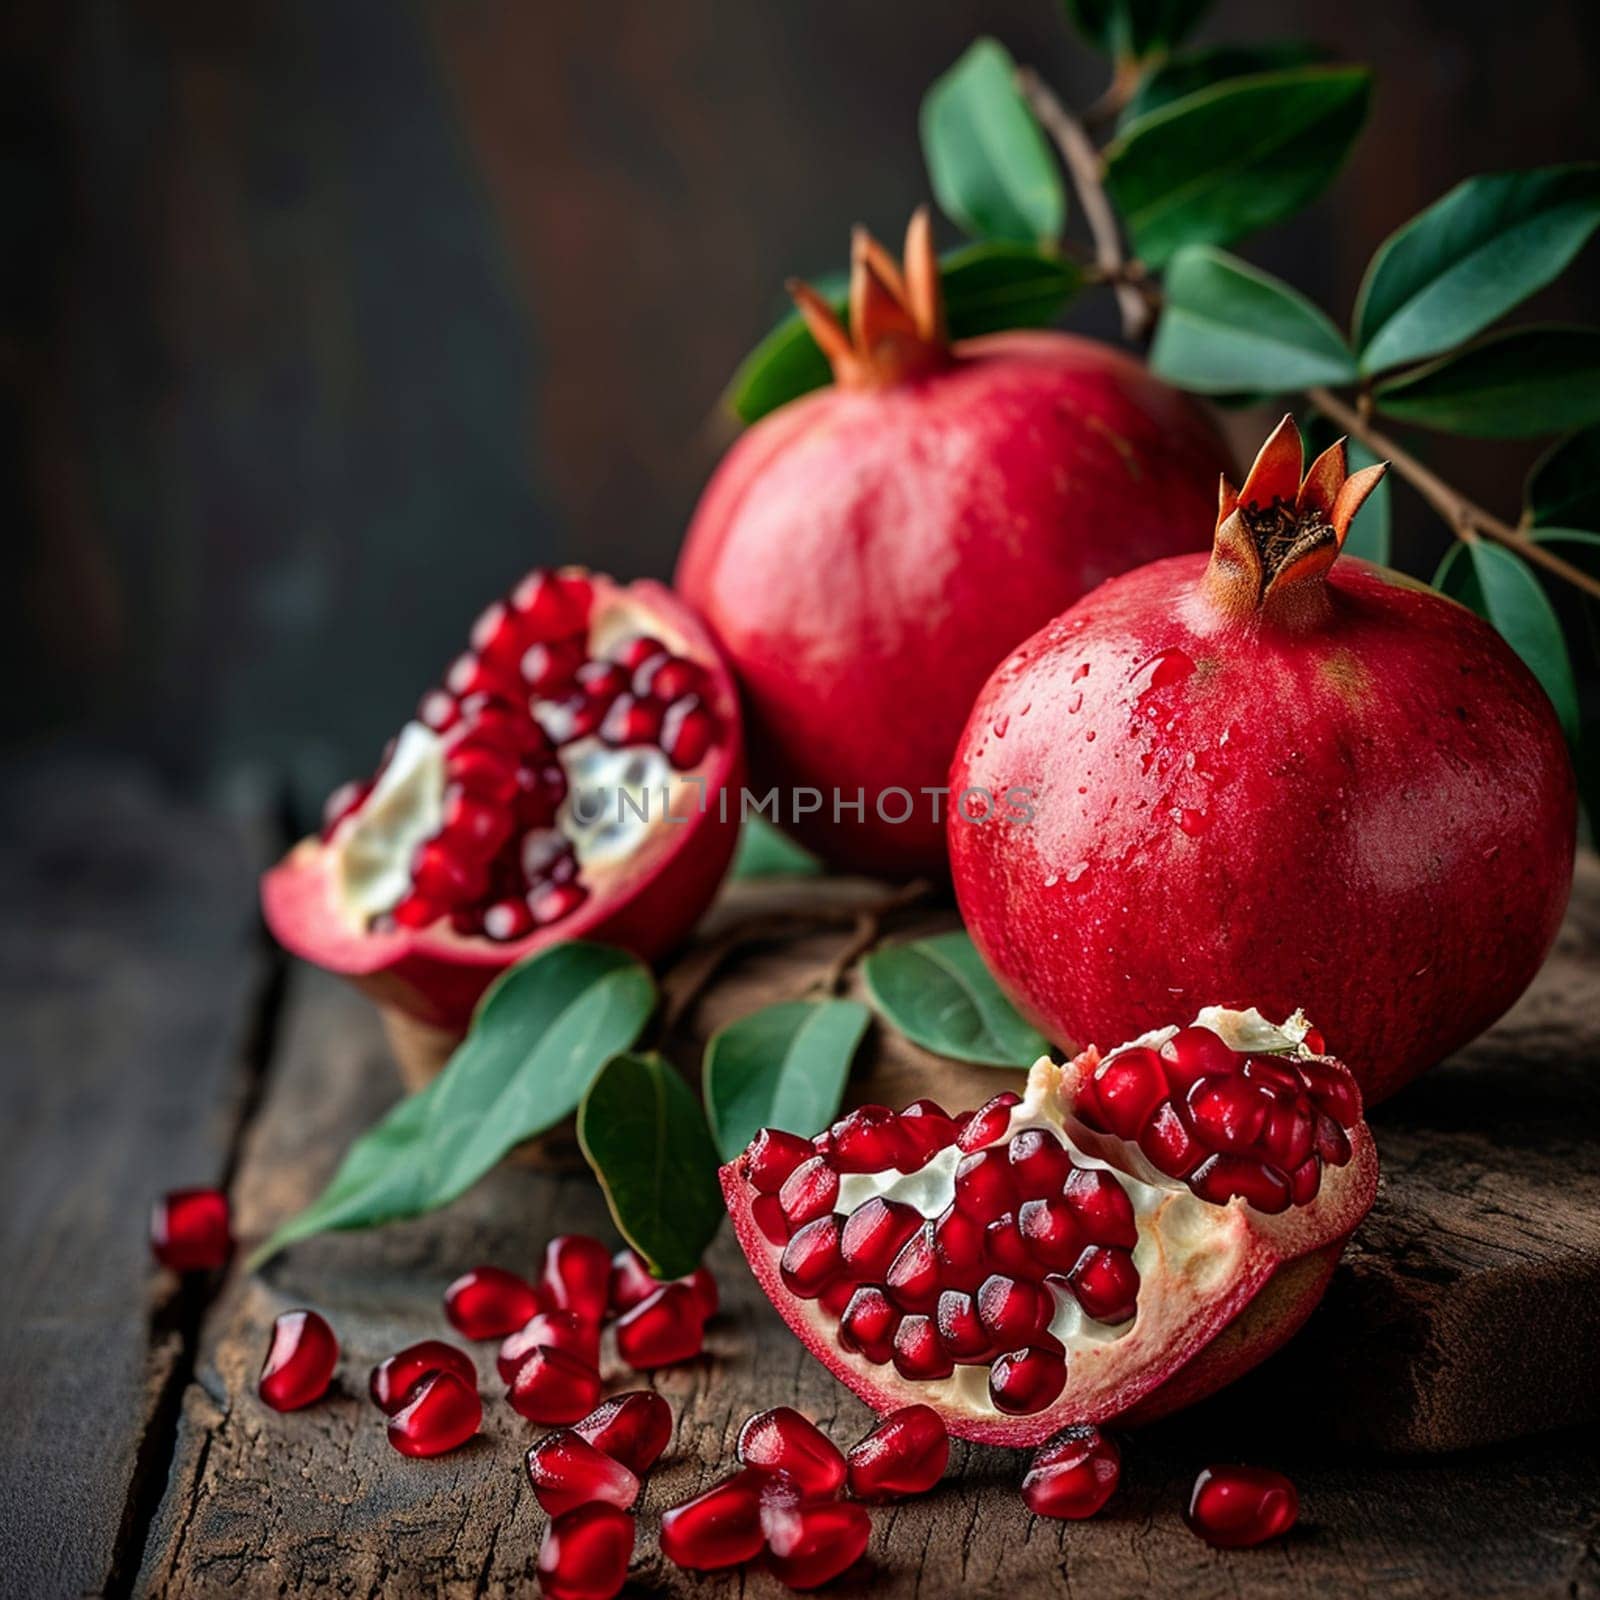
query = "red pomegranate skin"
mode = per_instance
[
  {"x": 1372, "y": 818},
  {"x": 868, "y": 554}
]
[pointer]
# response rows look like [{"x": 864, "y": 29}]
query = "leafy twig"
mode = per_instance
[{"x": 869, "y": 929}]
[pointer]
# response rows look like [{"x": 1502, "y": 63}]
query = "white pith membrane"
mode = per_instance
[{"x": 1199, "y": 1263}]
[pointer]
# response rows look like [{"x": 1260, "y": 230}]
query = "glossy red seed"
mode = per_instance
[
  {"x": 688, "y": 731},
  {"x": 1106, "y": 1283},
  {"x": 913, "y": 1280},
  {"x": 1025, "y": 1381},
  {"x": 1334, "y": 1090},
  {"x": 1005, "y": 1250},
  {"x": 958, "y": 1248},
  {"x": 666, "y": 1327},
  {"x": 1235, "y": 1507},
  {"x": 441, "y": 1413},
  {"x": 555, "y": 901},
  {"x": 772, "y": 1155},
  {"x": 1013, "y": 1313},
  {"x": 630, "y": 721},
  {"x": 190, "y": 1230},
  {"x": 809, "y": 1191},
  {"x": 720, "y": 1527},
  {"x": 489, "y": 1303},
  {"x": 551, "y": 605},
  {"x": 990, "y": 1120},
  {"x": 1073, "y": 1475},
  {"x": 869, "y": 1139},
  {"x": 1039, "y": 1163},
  {"x": 984, "y": 1186},
  {"x": 668, "y": 678},
  {"x": 1286, "y": 1135},
  {"x": 960, "y": 1332},
  {"x": 1332, "y": 1143},
  {"x": 1169, "y": 1146},
  {"x": 810, "y": 1260},
  {"x": 566, "y": 1471},
  {"x": 767, "y": 1214},
  {"x": 1128, "y": 1086},
  {"x": 905, "y": 1454},
  {"x": 1102, "y": 1207},
  {"x": 548, "y": 669},
  {"x": 577, "y": 1275},
  {"x": 631, "y": 1280},
  {"x": 633, "y": 1427},
  {"x": 554, "y": 1386},
  {"x": 394, "y": 1377},
  {"x": 417, "y": 911},
  {"x": 867, "y": 1324},
  {"x": 1304, "y": 1182},
  {"x": 584, "y": 1553},
  {"x": 810, "y": 1542},
  {"x": 927, "y": 1131},
  {"x": 469, "y": 674},
  {"x": 836, "y": 1297},
  {"x": 560, "y": 1330},
  {"x": 917, "y": 1350},
  {"x": 1227, "y": 1113},
  {"x": 601, "y": 680},
  {"x": 1219, "y": 1178},
  {"x": 1050, "y": 1232},
  {"x": 487, "y": 773},
  {"x": 300, "y": 1361},
  {"x": 874, "y": 1235},
  {"x": 440, "y": 873},
  {"x": 1193, "y": 1053},
  {"x": 472, "y": 827},
  {"x": 781, "y": 1440},
  {"x": 506, "y": 920}
]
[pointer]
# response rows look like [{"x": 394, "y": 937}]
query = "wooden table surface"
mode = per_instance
[{"x": 161, "y": 1043}]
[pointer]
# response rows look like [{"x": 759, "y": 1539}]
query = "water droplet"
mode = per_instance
[
  {"x": 1081, "y": 673},
  {"x": 1075, "y": 704},
  {"x": 1000, "y": 726},
  {"x": 1088, "y": 738}
]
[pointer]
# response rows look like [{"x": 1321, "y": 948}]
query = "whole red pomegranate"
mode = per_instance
[
  {"x": 1270, "y": 773},
  {"x": 867, "y": 553},
  {"x": 569, "y": 780}
]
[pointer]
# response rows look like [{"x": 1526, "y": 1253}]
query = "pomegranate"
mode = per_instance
[
  {"x": 633, "y": 1428},
  {"x": 489, "y": 1302},
  {"x": 584, "y": 1553},
  {"x": 300, "y": 1361},
  {"x": 1072, "y": 1254},
  {"x": 396, "y": 1376},
  {"x": 1074, "y": 1475},
  {"x": 1272, "y": 772},
  {"x": 190, "y": 1230},
  {"x": 905, "y": 1454},
  {"x": 867, "y": 553},
  {"x": 567, "y": 781},
  {"x": 441, "y": 1413},
  {"x": 1235, "y": 1507},
  {"x": 566, "y": 1471}
]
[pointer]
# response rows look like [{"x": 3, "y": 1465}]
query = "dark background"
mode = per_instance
[{"x": 322, "y": 320}]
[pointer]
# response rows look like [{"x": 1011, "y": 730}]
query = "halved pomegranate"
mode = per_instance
[
  {"x": 1129, "y": 1235},
  {"x": 567, "y": 781}
]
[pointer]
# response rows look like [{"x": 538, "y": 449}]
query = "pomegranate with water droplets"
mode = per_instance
[
  {"x": 577, "y": 1276},
  {"x": 190, "y": 1230},
  {"x": 441, "y": 1413},
  {"x": 300, "y": 1361},
  {"x": 1235, "y": 1507},
  {"x": 489, "y": 1303},
  {"x": 1074, "y": 1475},
  {"x": 553, "y": 1386},
  {"x": 634, "y": 1427},
  {"x": 560, "y": 1330},
  {"x": 566, "y": 1471},
  {"x": 810, "y": 1541},
  {"x": 868, "y": 552},
  {"x": 530, "y": 800},
  {"x": 905, "y": 1454},
  {"x": 584, "y": 1553},
  {"x": 720, "y": 1527},
  {"x": 1054, "y": 1263},
  {"x": 781, "y": 1440},
  {"x": 1277, "y": 772},
  {"x": 396, "y": 1376}
]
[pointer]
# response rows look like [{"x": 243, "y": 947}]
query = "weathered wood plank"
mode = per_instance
[{"x": 128, "y": 957}]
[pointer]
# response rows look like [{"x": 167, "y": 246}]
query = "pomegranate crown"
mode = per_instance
[
  {"x": 896, "y": 325},
  {"x": 1279, "y": 535}
]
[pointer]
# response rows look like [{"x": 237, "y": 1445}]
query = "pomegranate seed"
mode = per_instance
[
  {"x": 958, "y": 1246},
  {"x": 489, "y": 1303},
  {"x": 631, "y": 721},
  {"x": 1286, "y": 1135},
  {"x": 668, "y": 678},
  {"x": 507, "y": 920},
  {"x": 1039, "y": 1163},
  {"x": 348, "y": 797},
  {"x": 1219, "y": 1178},
  {"x": 809, "y": 1191},
  {"x": 1102, "y": 1207},
  {"x": 868, "y": 1323},
  {"x": 927, "y": 1131},
  {"x": 870, "y": 1139},
  {"x": 441, "y": 1413},
  {"x": 1227, "y": 1113},
  {"x": 810, "y": 1260},
  {"x": 1106, "y": 1283},
  {"x": 1026, "y": 1381},
  {"x": 781, "y": 1440},
  {"x": 632, "y": 1281},
  {"x": 549, "y": 667},
  {"x": 984, "y": 1186},
  {"x": 497, "y": 634},
  {"x": 439, "y": 709},
  {"x": 810, "y": 1543},
  {"x": 688, "y": 731},
  {"x": 1194, "y": 1053},
  {"x": 190, "y": 1230},
  {"x": 1304, "y": 1182},
  {"x": 396, "y": 1376},
  {"x": 601, "y": 681},
  {"x": 1274, "y": 1072},
  {"x": 470, "y": 674},
  {"x": 472, "y": 829},
  {"x": 439, "y": 873},
  {"x": 720, "y": 1527},
  {"x": 1050, "y": 1233},
  {"x": 1126, "y": 1089},
  {"x": 489, "y": 774},
  {"x": 541, "y": 854},
  {"x": 836, "y": 1297},
  {"x": 1333, "y": 1145},
  {"x": 905, "y": 1454},
  {"x": 551, "y": 607},
  {"x": 633, "y": 1428},
  {"x": 1168, "y": 1146},
  {"x": 989, "y": 1121},
  {"x": 566, "y": 1471},
  {"x": 1235, "y": 1507},
  {"x": 768, "y": 1216},
  {"x": 1013, "y": 1314},
  {"x": 874, "y": 1235},
  {"x": 577, "y": 1276},
  {"x": 663, "y": 1329},
  {"x": 633, "y": 653},
  {"x": 771, "y": 1157},
  {"x": 1005, "y": 1250},
  {"x": 554, "y": 1386},
  {"x": 1073, "y": 1475},
  {"x": 917, "y": 1351},
  {"x": 560, "y": 1330},
  {"x": 584, "y": 1553},
  {"x": 913, "y": 1280},
  {"x": 960, "y": 1331},
  {"x": 417, "y": 911},
  {"x": 300, "y": 1361},
  {"x": 1332, "y": 1087}
]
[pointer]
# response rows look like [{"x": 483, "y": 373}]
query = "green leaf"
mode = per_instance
[
  {"x": 1469, "y": 258},
  {"x": 1234, "y": 158},
  {"x": 1515, "y": 385},
  {"x": 1563, "y": 490},
  {"x": 1183, "y": 75},
  {"x": 991, "y": 169},
  {"x": 643, "y": 1133},
  {"x": 1498, "y": 585},
  {"x": 781, "y": 1067},
  {"x": 1134, "y": 29},
  {"x": 541, "y": 1033},
  {"x": 765, "y": 852},
  {"x": 1226, "y": 326},
  {"x": 987, "y": 287},
  {"x": 940, "y": 995}
]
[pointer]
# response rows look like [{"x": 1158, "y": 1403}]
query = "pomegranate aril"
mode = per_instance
[
  {"x": 927, "y": 1130},
  {"x": 810, "y": 1543},
  {"x": 810, "y": 1260},
  {"x": 1073, "y": 1475},
  {"x": 631, "y": 721},
  {"x": 300, "y": 1361},
  {"x": 720, "y": 1527},
  {"x": 1168, "y": 1145},
  {"x": 960, "y": 1331},
  {"x": 541, "y": 854},
  {"x": 1005, "y": 1250},
  {"x": 555, "y": 901},
  {"x": 554, "y": 1386},
  {"x": 1227, "y": 1114},
  {"x": 633, "y": 1428},
  {"x": 688, "y": 731},
  {"x": 441, "y": 1413},
  {"x": 439, "y": 709},
  {"x": 868, "y": 1323},
  {"x": 489, "y": 1303},
  {"x": 584, "y": 1553},
  {"x": 1219, "y": 1178},
  {"x": 560, "y": 1330},
  {"x": 601, "y": 680},
  {"x": 394, "y": 1377},
  {"x": 666, "y": 1327},
  {"x": 1333, "y": 1088},
  {"x": 1102, "y": 1207},
  {"x": 809, "y": 1191},
  {"x": 836, "y": 1297},
  {"x": 1235, "y": 1507},
  {"x": 566, "y": 1471},
  {"x": 984, "y": 1186},
  {"x": 348, "y": 797},
  {"x": 577, "y": 1275},
  {"x": 470, "y": 674},
  {"x": 1050, "y": 1233},
  {"x": 1039, "y": 1163},
  {"x": 913, "y": 1280},
  {"x": 472, "y": 828},
  {"x": 869, "y": 1139},
  {"x": 417, "y": 911},
  {"x": 489, "y": 774},
  {"x": 498, "y": 633},
  {"x": 668, "y": 678},
  {"x": 1025, "y": 1381},
  {"x": 768, "y": 1216},
  {"x": 633, "y": 653},
  {"x": 989, "y": 1121},
  {"x": 1304, "y": 1182},
  {"x": 440, "y": 873},
  {"x": 1013, "y": 1313},
  {"x": 917, "y": 1350},
  {"x": 1106, "y": 1283},
  {"x": 548, "y": 669},
  {"x": 1286, "y": 1135},
  {"x": 190, "y": 1230},
  {"x": 1332, "y": 1143},
  {"x": 507, "y": 920},
  {"x": 1125, "y": 1089},
  {"x": 958, "y": 1248},
  {"x": 551, "y": 606},
  {"x": 781, "y": 1440},
  {"x": 874, "y": 1235},
  {"x": 1194, "y": 1053},
  {"x": 905, "y": 1454},
  {"x": 771, "y": 1157}
]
